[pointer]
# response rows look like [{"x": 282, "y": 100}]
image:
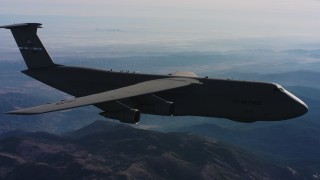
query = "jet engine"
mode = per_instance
[
  {"x": 164, "y": 108},
  {"x": 131, "y": 116}
]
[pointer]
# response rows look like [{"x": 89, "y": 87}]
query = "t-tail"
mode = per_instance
[{"x": 31, "y": 48}]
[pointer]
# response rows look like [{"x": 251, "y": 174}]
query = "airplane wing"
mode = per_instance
[
  {"x": 142, "y": 88},
  {"x": 185, "y": 74}
]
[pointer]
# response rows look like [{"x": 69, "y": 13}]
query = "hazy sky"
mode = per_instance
[
  {"x": 261, "y": 18},
  {"x": 160, "y": 8}
]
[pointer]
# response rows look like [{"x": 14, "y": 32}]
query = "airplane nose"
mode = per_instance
[{"x": 300, "y": 108}]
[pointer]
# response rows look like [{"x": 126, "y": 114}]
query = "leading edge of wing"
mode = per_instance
[{"x": 142, "y": 88}]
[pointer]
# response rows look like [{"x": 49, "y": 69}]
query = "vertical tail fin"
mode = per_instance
[{"x": 31, "y": 48}]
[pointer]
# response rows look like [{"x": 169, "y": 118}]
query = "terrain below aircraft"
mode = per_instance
[{"x": 123, "y": 96}]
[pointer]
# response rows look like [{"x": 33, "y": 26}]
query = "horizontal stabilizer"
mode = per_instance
[
  {"x": 22, "y": 25},
  {"x": 142, "y": 88}
]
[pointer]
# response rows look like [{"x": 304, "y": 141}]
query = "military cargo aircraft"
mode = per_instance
[{"x": 123, "y": 96}]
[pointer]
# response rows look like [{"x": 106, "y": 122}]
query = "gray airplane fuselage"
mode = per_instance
[{"x": 242, "y": 101}]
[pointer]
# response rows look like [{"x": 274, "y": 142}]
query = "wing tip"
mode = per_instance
[{"x": 18, "y": 112}]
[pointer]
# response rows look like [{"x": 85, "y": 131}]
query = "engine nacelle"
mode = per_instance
[
  {"x": 131, "y": 116},
  {"x": 164, "y": 108}
]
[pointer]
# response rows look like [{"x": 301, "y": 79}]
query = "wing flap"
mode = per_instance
[{"x": 142, "y": 88}]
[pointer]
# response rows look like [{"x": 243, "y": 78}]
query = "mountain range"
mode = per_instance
[{"x": 104, "y": 150}]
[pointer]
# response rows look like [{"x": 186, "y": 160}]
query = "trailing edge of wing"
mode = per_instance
[{"x": 142, "y": 88}]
